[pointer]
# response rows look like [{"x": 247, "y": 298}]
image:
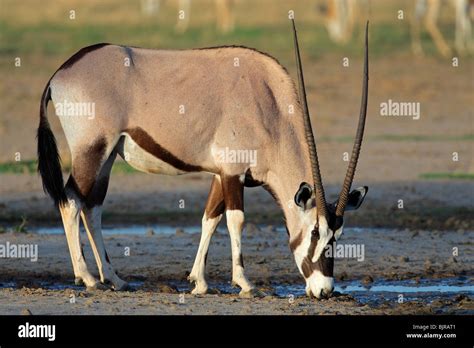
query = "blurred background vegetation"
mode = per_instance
[{"x": 43, "y": 27}]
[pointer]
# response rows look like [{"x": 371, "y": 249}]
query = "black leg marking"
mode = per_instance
[{"x": 241, "y": 260}]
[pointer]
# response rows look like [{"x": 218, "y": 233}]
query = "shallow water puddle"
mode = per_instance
[
  {"x": 138, "y": 230},
  {"x": 141, "y": 230},
  {"x": 61, "y": 286},
  {"x": 379, "y": 291},
  {"x": 425, "y": 290}
]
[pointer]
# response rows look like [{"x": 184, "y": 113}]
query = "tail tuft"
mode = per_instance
[{"x": 49, "y": 161}]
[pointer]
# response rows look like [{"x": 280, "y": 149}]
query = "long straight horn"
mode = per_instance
[
  {"x": 313, "y": 154},
  {"x": 344, "y": 195}
]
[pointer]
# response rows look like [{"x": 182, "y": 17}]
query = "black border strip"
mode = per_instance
[{"x": 137, "y": 330}]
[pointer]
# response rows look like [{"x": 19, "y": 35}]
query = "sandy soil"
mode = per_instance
[
  {"x": 39, "y": 301},
  {"x": 158, "y": 262}
]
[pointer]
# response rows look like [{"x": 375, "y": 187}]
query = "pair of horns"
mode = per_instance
[{"x": 313, "y": 154}]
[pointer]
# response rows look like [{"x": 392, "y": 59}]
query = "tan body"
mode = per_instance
[
  {"x": 218, "y": 105},
  {"x": 191, "y": 104}
]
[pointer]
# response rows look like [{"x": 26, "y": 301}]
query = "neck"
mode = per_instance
[{"x": 287, "y": 172}]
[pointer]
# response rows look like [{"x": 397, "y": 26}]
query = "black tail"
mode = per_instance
[{"x": 49, "y": 162}]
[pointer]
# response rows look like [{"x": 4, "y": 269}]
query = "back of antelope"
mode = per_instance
[{"x": 175, "y": 112}]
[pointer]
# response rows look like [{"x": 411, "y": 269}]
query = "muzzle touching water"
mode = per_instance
[{"x": 319, "y": 285}]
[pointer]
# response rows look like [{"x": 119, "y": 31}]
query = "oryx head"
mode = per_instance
[{"x": 321, "y": 223}]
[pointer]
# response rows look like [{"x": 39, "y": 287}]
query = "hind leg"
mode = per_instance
[
  {"x": 92, "y": 218},
  {"x": 83, "y": 192},
  {"x": 70, "y": 216},
  {"x": 210, "y": 220},
  {"x": 432, "y": 28}
]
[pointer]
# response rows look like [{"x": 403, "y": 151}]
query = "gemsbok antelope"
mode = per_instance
[
  {"x": 340, "y": 17},
  {"x": 427, "y": 13},
  {"x": 223, "y": 13},
  {"x": 250, "y": 105}
]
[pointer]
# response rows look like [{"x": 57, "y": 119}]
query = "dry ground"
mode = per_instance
[{"x": 161, "y": 261}]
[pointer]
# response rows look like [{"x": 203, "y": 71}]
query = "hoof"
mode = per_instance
[
  {"x": 121, "y": 287},
  {"x": 214, "y": 291},
  {"x": 252, "y": 293},
  {"x": 98, "y": 286},
  {"x": 199, "y": 290}
]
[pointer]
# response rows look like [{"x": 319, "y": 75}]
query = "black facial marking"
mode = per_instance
[
  {"x": 334, "y": 222},
  {"x": 326, "y": 264}
]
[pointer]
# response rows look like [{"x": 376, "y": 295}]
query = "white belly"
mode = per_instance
[{"x": 141, "y": 160}]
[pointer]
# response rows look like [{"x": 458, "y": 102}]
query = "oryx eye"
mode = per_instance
[{"x": 315, "y": 233}]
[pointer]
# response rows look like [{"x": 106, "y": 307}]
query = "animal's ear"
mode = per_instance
[
  {"x": 356, "y": 197},
  {"x": 303, "y": 195}
]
